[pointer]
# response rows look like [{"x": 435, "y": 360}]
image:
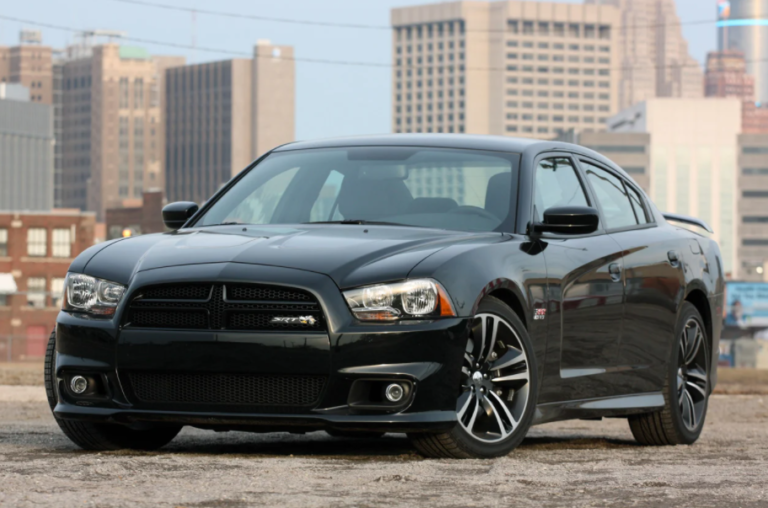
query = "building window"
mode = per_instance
[
  {"x": 36, "y": 292},
  {"x": 755, "y": 242},
  {"x": 755, "y": 150},
  {"x": 755, "y": 194},
  {"x": 746, "y": 171},
  {"x": 3, "y": 242},
  {"x": 634, "y": 170},
  {"x": 37, "y": 244},
  {"x": 123, "y": 93},
  {"x": 618, "y": 148},
  {"x": 138, "y": 93},
  {"x": 62, "y": 243},
  {"x": 57, "y": 291}
]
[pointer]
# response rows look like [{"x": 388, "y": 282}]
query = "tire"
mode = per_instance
[
  {"x": 353, "y": 434},
  {"x": 673, "y": 424},
  {"x": 102, "y": 436},
  {"x": 495, "y": 422}
]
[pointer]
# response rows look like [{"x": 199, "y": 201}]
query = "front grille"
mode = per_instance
[
  {"x": 227, "y": 389},
  {"x": 253, "y": 307}
]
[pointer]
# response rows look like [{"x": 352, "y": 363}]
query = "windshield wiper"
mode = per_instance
[
  {"x": 223, "y": 224},
  {"x": 359, "y": 222}
]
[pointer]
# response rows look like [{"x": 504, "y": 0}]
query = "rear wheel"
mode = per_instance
[
  {"x": 496, "y": 399},
  {"x": 686, "y": 392},
  {"x": 102, "y": 436}
]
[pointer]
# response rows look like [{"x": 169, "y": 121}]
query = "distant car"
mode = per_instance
[{"x": 455, "y": 288}]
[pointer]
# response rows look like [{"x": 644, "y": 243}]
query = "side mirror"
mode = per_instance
[
  {"x": 176, "y": 214},
  {"x": 569, "y": 220}
]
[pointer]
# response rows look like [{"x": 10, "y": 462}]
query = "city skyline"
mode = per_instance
[{"x": 331, "y": 99}]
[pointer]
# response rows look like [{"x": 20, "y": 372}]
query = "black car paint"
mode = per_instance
[{"x": 618, "y": 371}]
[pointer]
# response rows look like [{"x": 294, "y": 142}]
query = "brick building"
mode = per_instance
[
  {"x": 142, "y": 217},
  {"x": 727, "y": 76},
  {"x": 36, "y": 250}
]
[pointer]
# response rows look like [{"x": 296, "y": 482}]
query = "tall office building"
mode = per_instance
[
  {"x": 653, "y": 54},
  {"x": 222, "y": 115},
  {"x": 743, "y": 26},
  {"x": 510, "y": 68},
  {"x": 26, "y": 151},
  {"x": 29, "y": 64},
  {"x": 630, "y": 150},
  {"x": 693, "y": 155},
  {"x": 113, "y": 127},
  {"x": 753, "y": 206},
  {"x": 726, "y": 76}
]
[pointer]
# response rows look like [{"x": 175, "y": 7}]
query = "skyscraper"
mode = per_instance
[
  {"x": 693, "y": 155},
  {"x": 653, "y": 54},
  {"x": 26, "y": 153},
  {"x": 113, "y": 126},
  {"x": 222, "y": 115},
  {"x": 726, "y": 76},
  {"x": 743, "y": 26},
  {"x": 29, "y": 64},
  {"x": 516, "y": 68}
]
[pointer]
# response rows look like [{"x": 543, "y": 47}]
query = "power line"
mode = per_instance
[
  {"x": 363, "y": 26},
  {"x": 350, "y": 63},
  {"x": 201, "y": 48}
]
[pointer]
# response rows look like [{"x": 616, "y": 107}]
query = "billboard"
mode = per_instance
[{"x": 746, "y": 304}]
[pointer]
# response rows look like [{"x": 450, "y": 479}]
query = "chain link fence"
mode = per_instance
[{"x": 23, "y": 348}]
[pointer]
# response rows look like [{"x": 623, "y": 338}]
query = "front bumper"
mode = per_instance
[{"x": 426, "y": 355}]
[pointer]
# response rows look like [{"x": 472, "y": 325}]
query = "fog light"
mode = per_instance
[
  {"x": 394, "y": 392},
  {"x": 78, "y": 384}
]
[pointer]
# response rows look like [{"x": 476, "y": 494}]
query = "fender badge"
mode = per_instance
[
  {"x": 539, "y": 314},
  {"x": 302, "y": 320}
]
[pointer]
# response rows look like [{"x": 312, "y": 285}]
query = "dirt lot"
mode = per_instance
[{"x": 563, "y": 464}]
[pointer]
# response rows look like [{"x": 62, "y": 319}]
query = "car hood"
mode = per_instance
[{"x": 352, "y": 255}]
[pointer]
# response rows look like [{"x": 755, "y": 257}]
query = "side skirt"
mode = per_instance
[{"x": 623, "y": 405}]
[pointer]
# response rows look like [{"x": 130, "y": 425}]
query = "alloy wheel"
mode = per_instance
[
  {"x": 692, "y": 376},
  {"x": 495, "y": 380}
]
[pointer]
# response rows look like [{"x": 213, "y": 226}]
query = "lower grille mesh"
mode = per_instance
[{"x": 227, "y": 389}]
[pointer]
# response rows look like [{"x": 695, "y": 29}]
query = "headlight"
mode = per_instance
[
  {"x": 412, "y": 299},
  {"x": 84, "y": 293}
]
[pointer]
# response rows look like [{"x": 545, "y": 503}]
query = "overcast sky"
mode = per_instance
[{"x": 332, "y": 100}]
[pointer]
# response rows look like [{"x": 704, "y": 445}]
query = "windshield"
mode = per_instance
[{"x": 427, "y": 187}]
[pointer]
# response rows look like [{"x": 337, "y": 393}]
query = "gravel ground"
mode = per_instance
[{"x": 562, "y": 464}]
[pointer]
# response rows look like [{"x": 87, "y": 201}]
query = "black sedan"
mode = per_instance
[{"x": 455, "y": 288}]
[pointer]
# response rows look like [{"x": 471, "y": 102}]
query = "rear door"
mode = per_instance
[
  {"x": 653, "y": 279},
  {"x": 585, "y": 290}
]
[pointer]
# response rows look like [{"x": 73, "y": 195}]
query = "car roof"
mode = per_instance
[{"x": 460, "y": 141}]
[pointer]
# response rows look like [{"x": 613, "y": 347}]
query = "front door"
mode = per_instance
[{"x": 585, "y": 291}]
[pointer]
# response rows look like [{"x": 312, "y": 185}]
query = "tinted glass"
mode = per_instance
[
  {"x": 441, "y": 188},
  {"x": 557, "y": 185},
  {"x": 612, "y": 196},
  {"x": 637, "y": 205}
]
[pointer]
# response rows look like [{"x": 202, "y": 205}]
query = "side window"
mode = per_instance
[
  {"x": 323, "y": 209},
  {"x": 637, "y": 206},
  {"x": 612, "y": 196},
  {"x": 557, "y": 184},
  {"x": 259, "y": 207}
]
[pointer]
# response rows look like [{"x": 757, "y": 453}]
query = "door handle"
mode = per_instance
[
  {"x": 615, "y": 270},
  {"x": 673, "y": 257}
]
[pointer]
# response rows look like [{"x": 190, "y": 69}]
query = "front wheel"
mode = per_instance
[
  {"x": 497, "y": 396},
  {"x": 102, "y": 436},
  {"x": 686, "y": 392}
]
